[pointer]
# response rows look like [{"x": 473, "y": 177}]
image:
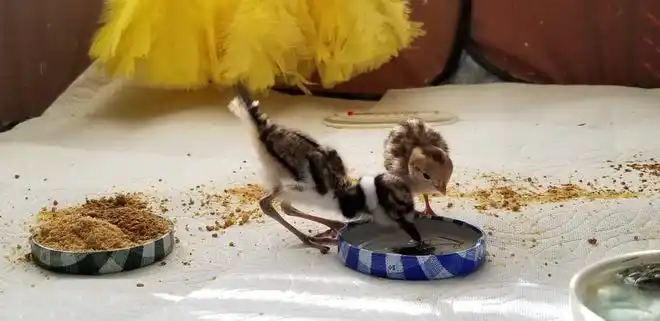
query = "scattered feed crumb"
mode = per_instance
[
  {"x": 139, "y": 285},
  {"x": 592, "y": 241},
  {"x": 16, "y": 176},
  {"x": 234, "y": 206},
  {"x": 231, "y": 244},
  {"x": 107, "y": 223},
  {"x": 515, "y": 192},
  {"x": 636, "y": 238},
  {"x": 18, "y": 255},
  {"x": 650, "y": 167}
]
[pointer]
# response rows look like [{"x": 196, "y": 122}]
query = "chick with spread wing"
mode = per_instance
[{"x": 301, "y": 170}]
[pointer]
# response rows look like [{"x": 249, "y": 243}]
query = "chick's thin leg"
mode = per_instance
[
  {"x": 266, "y": 205},
  {"x": 428, "y": 211},
  {"x": 334, "y": 226}
]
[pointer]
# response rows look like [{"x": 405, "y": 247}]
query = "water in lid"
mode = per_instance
[
  {"x": 432, "y": 244},
  {"x": 626, "y": 294}
]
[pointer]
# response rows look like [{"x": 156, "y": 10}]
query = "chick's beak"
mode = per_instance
[{"x": 442, "y": 189}]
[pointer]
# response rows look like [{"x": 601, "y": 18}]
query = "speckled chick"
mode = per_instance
[
  {"x": 299, "y": 169},
  {"x": 420, "y": 156}
]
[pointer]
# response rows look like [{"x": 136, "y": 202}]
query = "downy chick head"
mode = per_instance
[{"x": 430, "y": 168}]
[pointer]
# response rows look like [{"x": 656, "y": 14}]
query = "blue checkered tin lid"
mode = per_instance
[{"x": 417, "y": 267}]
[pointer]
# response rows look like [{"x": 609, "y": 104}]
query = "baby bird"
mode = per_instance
[
  {"x": 299, "y": 169},
  {"x": 420, "y": 156}
]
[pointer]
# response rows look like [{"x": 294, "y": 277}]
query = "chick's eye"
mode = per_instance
[{"x": 426, "y": 176}]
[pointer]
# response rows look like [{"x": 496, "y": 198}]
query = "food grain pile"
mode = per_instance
[{"x": 107, "y": 223}]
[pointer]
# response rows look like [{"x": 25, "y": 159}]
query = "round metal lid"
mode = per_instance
[
  {"x": 103, "y": 262},
  {"x": 368, "y": 248}
]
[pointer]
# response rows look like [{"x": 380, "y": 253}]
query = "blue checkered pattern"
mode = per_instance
[{"x": 409, "y": 267}]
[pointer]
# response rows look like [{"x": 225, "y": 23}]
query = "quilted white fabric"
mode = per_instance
[{"x": 101, "y": 137}]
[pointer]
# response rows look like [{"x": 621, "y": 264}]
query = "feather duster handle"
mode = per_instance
[{"x": 187, "y": 44}]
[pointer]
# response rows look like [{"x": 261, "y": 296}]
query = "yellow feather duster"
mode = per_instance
[{"x": 188, "y": 44}]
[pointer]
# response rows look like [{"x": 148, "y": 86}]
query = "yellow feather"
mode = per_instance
[
  {"x": 121, "y": 40},
  {"x": 220, "y": 16},
  {"x": 116, "y": 15},
  {"x": 359, "y": 36},
  {"x": 264, "y": 41},
  {"x": 175, "y": 43},
  {"x": 176, "y": 57}
]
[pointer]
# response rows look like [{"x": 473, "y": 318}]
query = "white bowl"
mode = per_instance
[{"x": 583, "y": 278}]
